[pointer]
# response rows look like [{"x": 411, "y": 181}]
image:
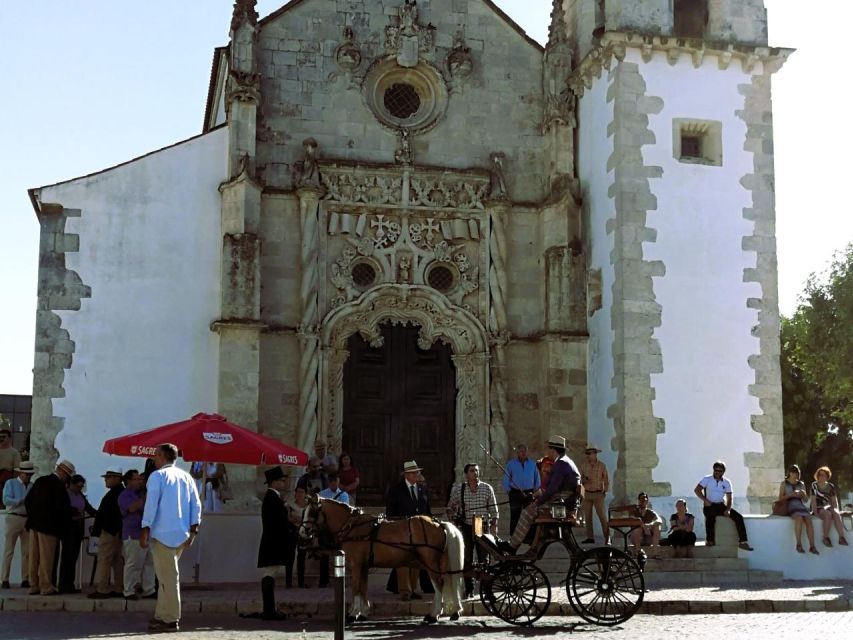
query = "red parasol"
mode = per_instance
[{"x": 208, "y": 437}]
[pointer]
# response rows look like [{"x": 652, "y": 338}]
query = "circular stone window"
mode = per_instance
[
  {"x": 414, "y": 98},
  {"x": 363, "y": 275},
  {"x": 442, "y": 277},
  {"x": 402, "y": 100}
]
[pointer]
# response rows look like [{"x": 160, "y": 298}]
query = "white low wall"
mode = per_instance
[{"x": 773, "y": 539}]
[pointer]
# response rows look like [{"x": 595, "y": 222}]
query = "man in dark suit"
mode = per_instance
[
  {"x": 48, "y": 518},
  {"x": 405, "y": 499},
  {"x": 272, "y": 551}
]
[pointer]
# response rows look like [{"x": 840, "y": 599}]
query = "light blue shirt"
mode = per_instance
[
  {"x": 14, "y": 493},
  {"x": 521, "y": 476},
  {"x": 340, "y": 495},
  {"x": 172, "y": 505}
]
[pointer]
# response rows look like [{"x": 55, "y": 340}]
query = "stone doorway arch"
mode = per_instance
[{"x": 438, "y": 319}]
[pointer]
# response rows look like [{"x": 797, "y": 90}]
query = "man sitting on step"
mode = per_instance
[{"x": 715, "y": 492}]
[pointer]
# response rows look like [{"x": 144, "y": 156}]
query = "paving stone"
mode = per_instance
[
  {"x": 14, "y": 604},
  {"x": 699, "y": 606},
  {"x": 786, "y": 606},
  {"x": 113, "y": 604},
  {"x": 759, "y": 606},
  {"x": 815, "y": 605},
  {"x": 82, "y": 605},
  {"x": 44, "y": 603},
  {"x": 223, "y": 606}
]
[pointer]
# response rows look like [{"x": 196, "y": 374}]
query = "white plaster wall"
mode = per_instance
[
  {"x": 595, "y": 146},
  {"x": 150, "y": 249},
  {"x": 705, "y": 336}
]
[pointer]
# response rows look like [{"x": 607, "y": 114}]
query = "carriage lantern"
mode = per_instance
[
  {"x": 477, "y": 524},
  {"x": 558, "y": 511}
]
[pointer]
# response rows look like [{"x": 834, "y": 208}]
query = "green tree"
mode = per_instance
[{"x": 817, "y": 373}]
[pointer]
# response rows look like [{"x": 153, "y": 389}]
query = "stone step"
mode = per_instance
[
  {"x": 654, "y": 565},
  {"x": 666, "y": 580}
]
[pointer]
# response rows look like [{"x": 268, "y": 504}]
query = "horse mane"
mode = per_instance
[{"x": 353, "y": 511}]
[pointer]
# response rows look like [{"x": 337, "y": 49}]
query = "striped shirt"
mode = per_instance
[
  {"x": 479, "y": 502},
  {"x": 594, "y": 477}
]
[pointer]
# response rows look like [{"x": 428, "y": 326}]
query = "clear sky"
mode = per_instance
[{"x": 92, "y": 83}]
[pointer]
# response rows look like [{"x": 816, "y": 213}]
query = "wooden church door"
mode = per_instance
[{"x": 399, "y": 404}]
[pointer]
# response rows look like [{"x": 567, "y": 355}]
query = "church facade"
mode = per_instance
[{"x": 412, "y": 232}]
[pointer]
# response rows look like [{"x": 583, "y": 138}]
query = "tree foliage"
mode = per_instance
[{"x": 817, "y": 373}]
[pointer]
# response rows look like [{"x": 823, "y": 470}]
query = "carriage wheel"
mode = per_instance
[
  {"x": 516, "y": 592},
  {"x": 605, "y": 586}
]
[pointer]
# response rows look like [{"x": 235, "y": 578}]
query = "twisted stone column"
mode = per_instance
[
  {"x": 309, "y": 358},
  {"x": 498, "y": 333}
]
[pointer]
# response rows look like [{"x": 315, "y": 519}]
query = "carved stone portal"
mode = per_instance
[{"x": 438, "y": 319}]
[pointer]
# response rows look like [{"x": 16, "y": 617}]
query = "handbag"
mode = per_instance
[{"x": 780, "y": 508}]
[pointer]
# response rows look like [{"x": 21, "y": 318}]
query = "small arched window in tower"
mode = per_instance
[
  {"x": 402, "y": 100},
  {"x": 690, "y": 18}
]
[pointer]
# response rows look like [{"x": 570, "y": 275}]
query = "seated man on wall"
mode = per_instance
[
  {"x": 715, "y": 492},
  {"x": 563, "y": 484}
]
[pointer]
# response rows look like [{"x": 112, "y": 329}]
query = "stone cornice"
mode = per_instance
[
  {"x": 615, "y": 44},
  {"x": 219, "y": 326}
]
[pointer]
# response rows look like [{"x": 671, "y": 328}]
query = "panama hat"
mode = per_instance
[
  {"x": 557, "y": 441},
  {"x": 25, "y": 467},
  {"x": 66, "y": 466},
  {"x": 410, "y": 465},
  {"x": 591, "y": 448}
]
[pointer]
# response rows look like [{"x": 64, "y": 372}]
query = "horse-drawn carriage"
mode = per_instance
[{"x": 604, "y": 585}]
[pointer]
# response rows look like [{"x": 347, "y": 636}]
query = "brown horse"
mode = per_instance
[{"x": 369, "y": 541}]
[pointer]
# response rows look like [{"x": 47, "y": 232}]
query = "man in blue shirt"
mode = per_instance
[
  {"x": 520, "y": 477},
  {"x": 334, "y": 491},
  {"x": 170, "y": 523},
  {"x": 14, "y": 493}
]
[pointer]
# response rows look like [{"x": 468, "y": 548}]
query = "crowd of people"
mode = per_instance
[
  {"x": 143, "y": 523},
  {"x": 146, "y": 519}
]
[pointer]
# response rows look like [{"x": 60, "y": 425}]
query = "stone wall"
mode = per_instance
[
  {"x": 306, "y": 93},
  {"x": 765, "y": 467},
  {"x": 59, "y": 288}
]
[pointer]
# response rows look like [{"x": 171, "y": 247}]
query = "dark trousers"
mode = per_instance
[
  {"x": 681, "y": 538},
  {"x": 716, "y": 509},
  {"x": 69, "y": 553},
  {"x": 300, "y": 567},
  {"x": 516, "y": 504},
  {"x": 468, "y": 536},
  {"x": 289, "y": 556}
]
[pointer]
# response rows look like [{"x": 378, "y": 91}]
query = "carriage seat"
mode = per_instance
[
  {"x": 625, "y": 522},
  {"x": 570, "y": 520}
]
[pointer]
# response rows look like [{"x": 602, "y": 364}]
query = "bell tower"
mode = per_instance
[{"x": 675, "y": 161}]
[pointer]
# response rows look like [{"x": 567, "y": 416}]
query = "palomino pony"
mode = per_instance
[{"x": 369, "y": 541}]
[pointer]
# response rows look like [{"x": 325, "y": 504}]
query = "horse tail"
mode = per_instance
[{"x": 454, "y": 560}]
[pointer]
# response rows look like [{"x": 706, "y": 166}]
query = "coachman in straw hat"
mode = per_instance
[
  {"x": 405, "y": 499},
  {"x": 14, "y": 493},
  {"x": 48, "y": 517},
  {"x": 562, "y": 485}
]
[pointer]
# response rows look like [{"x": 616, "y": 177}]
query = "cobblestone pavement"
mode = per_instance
[
  {"x": 73, "y": 626},
  {"x": 789, "y": 597}
]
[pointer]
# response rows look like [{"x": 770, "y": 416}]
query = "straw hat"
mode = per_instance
[
  {"x": 26, "y": 467},
  {"x": 410, "y": 465},
  {"x": 66, "y": 466},
  {"x": 591, "y": 448},
  {"x": 557, "y": 441}
]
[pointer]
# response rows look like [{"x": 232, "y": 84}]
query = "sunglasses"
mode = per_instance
[{"x": 718, "y": 469}]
